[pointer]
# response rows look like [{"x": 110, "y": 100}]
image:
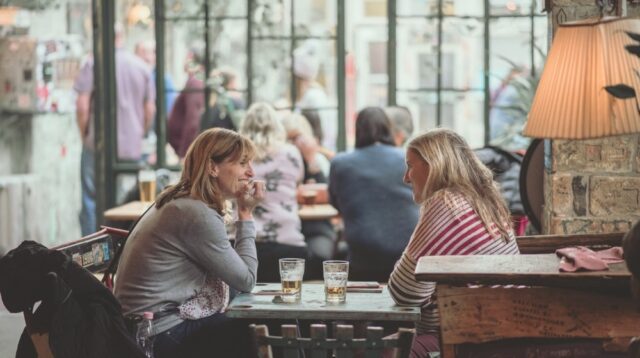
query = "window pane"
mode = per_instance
[
  {"x": 462, "y": 112},
  {"x": 366, "y": 69},
  {"x": 511, "y": 7},
  {"x": 417, "y": 53},
  {"x": 229, "y": 49},
  {"x": 423, "y": 108},
  {"x": 176, "y": 8},
  {"x": 181, "y": 38},
  {"x": 510, "y": 47},
  {"x": 271, "y": 75},
  {"x": 512, "y": 87},
  {"x": 462, "y": 53},
  {"x": 315, "y": 17},
  {"x": 541, "y": 41},
  {"x": 222, "y": 8},
  {"x": 449, "y": 7},
  {"x": 271, "y": 18}
]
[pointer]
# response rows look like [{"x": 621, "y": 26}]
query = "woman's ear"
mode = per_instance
[{"x": 213, "y": 169}]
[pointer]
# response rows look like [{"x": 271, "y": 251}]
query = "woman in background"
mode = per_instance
[
  {"x": 461, "y": 213},
  {"x": 280, "y": 165}
]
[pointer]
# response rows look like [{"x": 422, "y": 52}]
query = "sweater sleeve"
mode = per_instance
[
  {"x": 403, "y": 286},
  {"x": 436, "y": 219},
  {"x": 208, "y": 245}
]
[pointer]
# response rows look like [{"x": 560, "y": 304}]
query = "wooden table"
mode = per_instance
[
  {"x": 127, "y": 212},
  {"x": 593, "y": 305},
  {"x": 360, "y": 306},
  {"x": 533, "y": 270},
  {"x": 132, "y": 211}
]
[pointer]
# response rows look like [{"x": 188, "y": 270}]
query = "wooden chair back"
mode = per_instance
[{"x": 319, "y": 345}]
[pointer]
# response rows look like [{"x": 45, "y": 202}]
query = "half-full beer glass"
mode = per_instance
[
  {"x": 291, "y": 273},
  {"x": 336, "y": 274}
]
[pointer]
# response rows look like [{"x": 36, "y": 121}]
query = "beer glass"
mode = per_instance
[
  {"x": 336, "y": 274},
  {"x": 147, "y": 185},
  {"x": 291, "y": 272}
]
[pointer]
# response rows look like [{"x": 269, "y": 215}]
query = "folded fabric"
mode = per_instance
[{"x": 581, "y": 258}]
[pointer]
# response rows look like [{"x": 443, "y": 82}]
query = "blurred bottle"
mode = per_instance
[{"x": 144, "y": 336}]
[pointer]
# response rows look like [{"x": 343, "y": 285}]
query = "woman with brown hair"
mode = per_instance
[
  {"x": 178, "y": 261},
  {"x": 461, "y": 213}
]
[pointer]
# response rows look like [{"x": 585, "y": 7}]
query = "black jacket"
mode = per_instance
[{"x": 82, "y": 316}]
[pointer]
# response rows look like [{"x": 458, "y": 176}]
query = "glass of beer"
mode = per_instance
[
  {"x": 309, "y": 197},
  {"x": 147, "y": 185},
  {"x": 291, "y": 272},
  {"x": 336, "y": 274}
]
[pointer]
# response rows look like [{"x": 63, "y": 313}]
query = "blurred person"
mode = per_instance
[
  {"x": 461, "y": 213},
  {"x": 146, "y": 50},
  {"x": 377, "y": 209},
  {"x": 313, "y": 118},
  {"x": 280, "y": 165},
  {"x": 178, "y": 261},
  {"x": 401, "y": 124},
  {"x": 319, "y": 235},
  {"x": 300, "y": 134},
  {"x": 183, "y": 125},
  {"x": 310, "y": 94},
  {"x": 134, "y": 114},
  {"x": 225, "y": 102}
]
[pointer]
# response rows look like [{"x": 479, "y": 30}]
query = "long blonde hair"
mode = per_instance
[
  {"x": 213, "y": 145},
  {"x": 455, "y": 167},
  {"x": 263, "y": 127}
]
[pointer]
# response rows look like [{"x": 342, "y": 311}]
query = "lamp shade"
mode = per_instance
[{"x": 571, "y": 101}]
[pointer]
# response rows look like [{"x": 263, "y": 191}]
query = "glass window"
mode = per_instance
[
  {"x": 417, "y": 53},
  {"x": 453, "y": 70},
  {"x": 315, "y": 18}
]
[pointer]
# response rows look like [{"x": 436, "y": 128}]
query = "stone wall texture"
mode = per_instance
[{"x": 591, "y": 185}]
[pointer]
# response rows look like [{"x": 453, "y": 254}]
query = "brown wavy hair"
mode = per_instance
[
  {"x": 454, "y": 167},
  {"x": 217, "y": 145}
]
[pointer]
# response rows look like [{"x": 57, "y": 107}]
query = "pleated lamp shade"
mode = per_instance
[{"x": 585, "y": 57}]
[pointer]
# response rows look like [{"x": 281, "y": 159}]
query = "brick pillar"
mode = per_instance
[{"x": 591, "y": 185}]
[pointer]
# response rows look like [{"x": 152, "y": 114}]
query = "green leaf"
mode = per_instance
[{"x": 621, "y": 91}]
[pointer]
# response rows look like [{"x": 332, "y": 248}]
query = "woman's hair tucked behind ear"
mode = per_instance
[
  {"x": 213, "y": 146},
  {"x": 455, "y": 167}
]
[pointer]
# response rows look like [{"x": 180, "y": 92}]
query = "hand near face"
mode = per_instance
[{"x": 250, "y": 195}]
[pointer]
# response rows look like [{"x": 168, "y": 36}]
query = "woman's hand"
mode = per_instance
[{"x": 248, "y": 197}]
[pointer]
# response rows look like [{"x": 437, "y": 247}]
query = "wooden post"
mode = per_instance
[
  {"x": 374, "y": 338},
  {"x": 290, "y": 332},
  {"x": 264, "y": 350},
  {"x": 344, "y": 333},
  {"x": 319, "y": 337}
]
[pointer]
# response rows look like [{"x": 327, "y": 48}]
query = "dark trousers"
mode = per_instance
[{"x": 213, "y": 336}]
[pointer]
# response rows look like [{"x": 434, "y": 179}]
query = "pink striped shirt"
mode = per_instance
[{"x": 448, "y": 225}]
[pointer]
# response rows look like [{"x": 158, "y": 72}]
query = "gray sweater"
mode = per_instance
[{"x": 171, "y": 251}]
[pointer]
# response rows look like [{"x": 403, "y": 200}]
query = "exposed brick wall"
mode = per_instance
[{"x": 591, "y": 185}]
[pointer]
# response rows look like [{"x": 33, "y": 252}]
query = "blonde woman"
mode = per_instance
[
  {"x": 280, "y": 165},
  {"x": 462, "y": 213},
  {"x": 178, "y": 261}
]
